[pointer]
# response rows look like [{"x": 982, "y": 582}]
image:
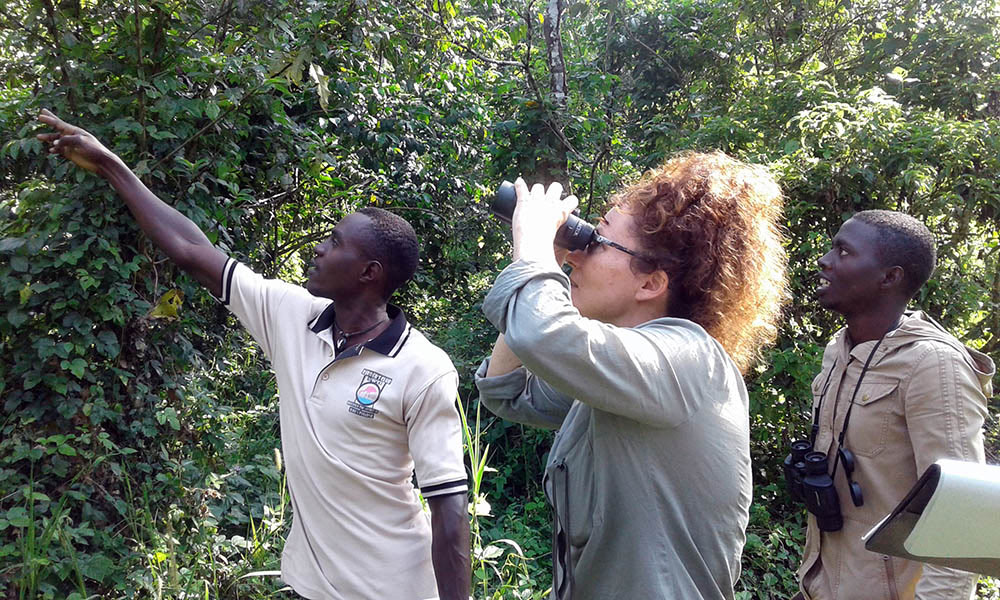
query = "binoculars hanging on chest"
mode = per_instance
[{"x": 808, "y": 481}]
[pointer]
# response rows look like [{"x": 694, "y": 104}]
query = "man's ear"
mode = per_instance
[
  {"x": 893, "y": 278},
  {"x": 655, "y": 285},
  {"x": 373, "y": 271}
]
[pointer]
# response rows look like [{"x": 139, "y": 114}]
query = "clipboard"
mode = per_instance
[{"x": 951, "y": 518}]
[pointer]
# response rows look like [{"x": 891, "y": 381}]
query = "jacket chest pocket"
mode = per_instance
[{"x": 876, "y": 408}]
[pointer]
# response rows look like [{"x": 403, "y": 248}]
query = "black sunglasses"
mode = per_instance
[{"x": 600, "y": 240}]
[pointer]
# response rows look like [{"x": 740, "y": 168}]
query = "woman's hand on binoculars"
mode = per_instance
[{"x": 537, "y": 217}]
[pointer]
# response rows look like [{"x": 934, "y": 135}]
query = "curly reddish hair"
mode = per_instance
[{"x": 711, "y": 223}]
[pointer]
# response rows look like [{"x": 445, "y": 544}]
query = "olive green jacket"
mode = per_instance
[{"x": 649, "y": 475}]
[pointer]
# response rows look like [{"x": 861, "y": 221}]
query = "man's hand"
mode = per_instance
[{"x": 76, "y": 144}]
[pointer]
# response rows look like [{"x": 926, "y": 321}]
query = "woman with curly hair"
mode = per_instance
[{"x": 637, "y": 358}]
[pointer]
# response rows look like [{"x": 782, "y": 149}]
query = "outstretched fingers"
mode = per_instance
[
  {"x": 64, "y": 128},
  {"x": 74, "y": 143}
]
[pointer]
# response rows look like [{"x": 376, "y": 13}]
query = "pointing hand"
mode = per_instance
[{"x": 74, "y": 143}]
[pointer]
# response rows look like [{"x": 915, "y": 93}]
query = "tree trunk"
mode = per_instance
[{"x": 552, "y": 165}]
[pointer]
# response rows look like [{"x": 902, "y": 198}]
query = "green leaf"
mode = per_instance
[
  {"x": 163, "y": 135},
  {"x": 16, "y": 318},
  {"x": 86, "y": 280},
  {"x": 67, "y": 450},
  {"x": 97, "y": 567},
  {"x": 107, "y": 344},
  {"x": 77, "y": 366},
  {"x": 169, "y": 415},
  {"x": 19, "y": 263},
  {"x": 18, "y": 517},
  {"x": 169, "y": 305},
  {"x": 10, "y": 244},
  {"x": 322, "y": 84},
  {"x": 294, "y": 72},
  {"x": 32, "y": 379},
  {"x": 58, "y": 385}
]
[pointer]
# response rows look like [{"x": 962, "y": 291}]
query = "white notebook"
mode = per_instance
[{"x": 951, "y": 517}]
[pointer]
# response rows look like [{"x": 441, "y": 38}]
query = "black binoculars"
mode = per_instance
[
  {"x": 808, "y": 481},
  {"x": 574, "y": 234}
]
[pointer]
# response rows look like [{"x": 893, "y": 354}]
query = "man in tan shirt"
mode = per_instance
[{"x": 922, "y": 397}]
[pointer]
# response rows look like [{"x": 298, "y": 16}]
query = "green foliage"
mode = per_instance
[
  {"x": 501, "y": 568},
  {"x": 772, "y": 552}
]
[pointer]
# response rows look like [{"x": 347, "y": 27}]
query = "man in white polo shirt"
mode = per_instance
[{"x": 366, "y": 400}]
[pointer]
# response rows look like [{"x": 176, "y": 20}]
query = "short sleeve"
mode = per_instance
[
  {"x": 434, "y": 432},
  {"x": 258, "y": 302}
]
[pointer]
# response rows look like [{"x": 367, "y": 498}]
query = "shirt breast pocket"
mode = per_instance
[{"x": 875, "y": 408}]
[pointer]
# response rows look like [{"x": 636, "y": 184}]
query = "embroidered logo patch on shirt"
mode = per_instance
[{"x": 368, "y": 393}]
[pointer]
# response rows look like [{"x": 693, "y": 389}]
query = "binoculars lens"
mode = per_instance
[
  {"x": 794, "y": 468},
  {"x": 808, "y": 480}
]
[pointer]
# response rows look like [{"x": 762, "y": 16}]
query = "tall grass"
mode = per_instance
[{"x": 499, "y": 567}]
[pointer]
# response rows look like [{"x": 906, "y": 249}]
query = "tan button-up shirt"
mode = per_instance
[{"x": 922, "y": 398}]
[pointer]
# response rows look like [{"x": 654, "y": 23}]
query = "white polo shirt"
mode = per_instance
[{"x": 354, "y": 429}]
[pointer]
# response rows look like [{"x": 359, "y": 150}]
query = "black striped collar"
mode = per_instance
[{"x": 388, "y": 343}]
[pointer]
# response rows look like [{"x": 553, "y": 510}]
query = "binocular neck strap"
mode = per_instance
[
  {"x": 826, "y": 385},
  {"x": 850, "y": 407}
]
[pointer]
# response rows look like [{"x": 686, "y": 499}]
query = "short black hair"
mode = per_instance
[
  {"x": 394, "y": 244},
  {"x": 903, "y": 241}
]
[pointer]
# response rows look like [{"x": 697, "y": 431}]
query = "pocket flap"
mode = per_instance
[{"x": 873, "y": 392}]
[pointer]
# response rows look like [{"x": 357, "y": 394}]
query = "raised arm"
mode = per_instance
[
  {"x": 173, "y": 233},
  {"x": 502, "y": 360}
]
